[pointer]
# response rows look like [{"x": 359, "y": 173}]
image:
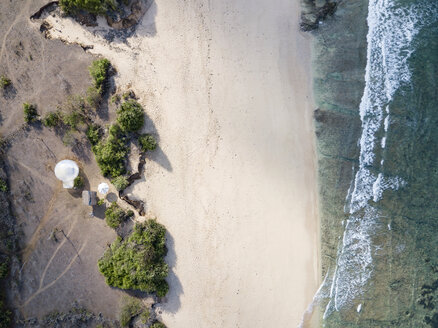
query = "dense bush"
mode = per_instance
[
  {"x": 115, "y": 215},
  {"x": 97, "y": 7},
  {"x": 52, "y": 119},
  {"x": 4, "y": 82},
  {"x": 147, "y": 142},
  {"x": 99, "y": 71},
  {"x": 137, "y": 262},
  {"x": 110, "y": 156},
  {"x": 130, "y": 116},
  {"x": 120, "y": 182},
  {"x": 30, "y": 113},
  {"x": 158, "y": 324},
  {"x": 94, "y": 134}
]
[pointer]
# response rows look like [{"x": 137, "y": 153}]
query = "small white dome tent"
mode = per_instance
[
  {"x": 66, "y": 171},
  {"x": 103, "y": 188}
]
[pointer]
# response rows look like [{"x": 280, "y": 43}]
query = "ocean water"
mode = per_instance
[{"x": 376, "y": 73}]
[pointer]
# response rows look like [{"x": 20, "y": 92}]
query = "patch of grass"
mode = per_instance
[
  {"x": 120, "y": 182},
  {"x": 99, "y": 71},
  {"x": 3, "y": 185},
  {"x": 137, "y": 262},
  {"x": 158, "y": 324},
  {"x": 5, "y": 82},
  {"x": 115, "y": 215},
  {"x": 97, "y": 7},
  {"x": 131, "y": 308},
  {"x": 145, "y": 316},
  {"x": 130, "y": 116},
  {"x": 30, "y": 113},
  {"x": 147, "y": 142},
  {"x": 94, "y": 133},
  {"x": 78, "y": 182},
  {"x": 100, "y": 202}
]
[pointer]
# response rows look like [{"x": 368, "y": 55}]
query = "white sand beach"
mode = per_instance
[{"x": 227, "y": 86}]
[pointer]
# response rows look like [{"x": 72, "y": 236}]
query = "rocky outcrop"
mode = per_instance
[{"x": 314, "y": 12}]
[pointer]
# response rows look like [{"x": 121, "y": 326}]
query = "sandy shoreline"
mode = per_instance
[{"x": 227, "y": 87}]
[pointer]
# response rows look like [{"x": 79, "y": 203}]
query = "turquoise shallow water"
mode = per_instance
[{"x": 376, "y": 69}]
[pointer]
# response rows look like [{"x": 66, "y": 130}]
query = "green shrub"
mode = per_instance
[
  {"x": 130, "y": 116},
  {"x": 114, "y": 215},
  {"x": 98, "y": 7},
  {"x": 52, "y": 119},
  {"x": 137, "y": 262},
  {"x": 3, "y": 185},
  {"x": 110, "y": 156},
  {"x": 99, "y": 71},
  {"x": 94, "y": 97},
  {"x": 73, "y": 120},
  {"x": 5, "y": 82},
  {"x": 130, "y": 309},
  {"x": 100, "y": 202},
  {"x": 30, "y": 113},
  {"x": 94, "y": 134},
  {"x": 147, "y": 142},
  {"x": 120, "y": 182},
  {"x": 144, "y": 316},
  {"x": 158, "y": 324},
  {"x": 78, "y": 182},
  {"x": 116, "y": 131}
]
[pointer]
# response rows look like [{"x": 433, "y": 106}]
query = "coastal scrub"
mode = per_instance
[
  {"x": 97, "y": 7},
  {"x": 115, "y": 215},
  {"x": 137, "y": 262},
  {"x": 130, "y": 116},
  {"x": 99, "y": 71},
  {"x": 30, "y": 113}
]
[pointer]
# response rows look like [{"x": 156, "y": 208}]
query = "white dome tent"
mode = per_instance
[
  {"x": 66, "y": 171},
  {"x": 103, "y": 188}
]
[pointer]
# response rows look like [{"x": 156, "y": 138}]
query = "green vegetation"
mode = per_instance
[
  {"x": 147, "y": 142},
  {"x": 30, "y": 113},
  {"x": 115, "y": 215},
  {"x": 94, "y": 133},
  {"x": 120, "y": 182},
  {"x": 144, "y": 316},
  {"x": 100, "y": 202},
  {"x": 137, "y": 262},
  {"x": 158, "y": 324},
  {"x": 5, "y": 314},
  {"x": 110, "y": 156},
  {"x": 73, "y": 119},
  {"x": 99, "y": 71},
  {"x": 130, "y": 116},
  {"x": 52, "y": 119},
  {"x": 97, "y": 7},
  {"x": 130, "y": 310},
  {"x": 5, "y": 82},
  {"x": 3, "y": 185},
  {"x": 94, "y": 97},
  {"x": 4, "y": 267},
  {"x": 78, "y": 182}
]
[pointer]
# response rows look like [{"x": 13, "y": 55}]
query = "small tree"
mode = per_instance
[
  {"x": 130, "y": 116},
  {"x": 30, "y": 113},
  {"x": 94, "y": 133}
]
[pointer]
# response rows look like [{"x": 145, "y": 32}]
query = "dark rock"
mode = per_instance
[{"x": 314, "y": 14}]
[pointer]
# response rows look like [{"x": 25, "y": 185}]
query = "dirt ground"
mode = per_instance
[{"x": 60, "y": 242}]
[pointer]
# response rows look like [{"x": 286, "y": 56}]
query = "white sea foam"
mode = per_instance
[{"x": 390, "y": 34}]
